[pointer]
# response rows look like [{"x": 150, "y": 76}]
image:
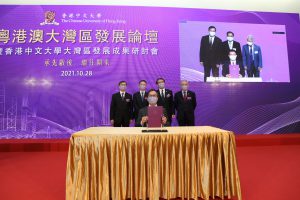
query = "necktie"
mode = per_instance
[
  {"x": 162, "y": 94},
  {"x": 122, "y": 95},
  {"x": 142, "y": 94},
  {"x": 251, "y": 53},
  {"x": 184, "y": 96},
  {"x": 230, "y": 45},
  {"x": 210, "y": 41}
]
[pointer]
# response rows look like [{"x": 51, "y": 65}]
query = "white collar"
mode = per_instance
[{"x": 152, "y": 106}]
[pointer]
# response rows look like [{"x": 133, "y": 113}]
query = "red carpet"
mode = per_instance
[{"x": 269, "y": 168}]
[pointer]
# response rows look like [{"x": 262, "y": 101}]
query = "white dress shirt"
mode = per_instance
[
  {"x": 212, "y": 38},
  {"x": 162, "y": 92},
  {"x": 230, "y": 44}
]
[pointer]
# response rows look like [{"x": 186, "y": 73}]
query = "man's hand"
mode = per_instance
[
  {"x": 130, "y": 122},
  {"x": 173, "y": 116},
  {"x": 260, "y": 69},
  {"x": 228, "y": 75},
  {"x": 112, "y": 122},
  {"x": 144, "y": 120},
  {"x": 163, "y": 120},
  {"x": 245, "y": 67},
  {"x": 240, "y": 76},
  {"x": 201, "y": 63}
]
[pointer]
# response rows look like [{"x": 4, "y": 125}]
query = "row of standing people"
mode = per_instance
[
  {"x": 125, "y": 108},
  {"x": 214, "y": 53}
]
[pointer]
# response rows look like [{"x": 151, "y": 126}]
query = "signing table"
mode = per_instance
[{"x": 119, "y": 163}]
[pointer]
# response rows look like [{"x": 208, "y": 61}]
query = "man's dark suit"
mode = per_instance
[
  {"x": 225, "y": 68},
  {"x": 144, "y": 112},
  {"x": 121, "y": 109},
  {"x": 225, "y": 51},
  {"x": 138, "y": 103},
  {"x": 167, "y": 103},
  {"x": 185, "y": 108},
  {"x": 210, "y": 55}
]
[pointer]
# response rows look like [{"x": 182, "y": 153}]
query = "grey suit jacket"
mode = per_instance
[{"x": 144, "y": 112}]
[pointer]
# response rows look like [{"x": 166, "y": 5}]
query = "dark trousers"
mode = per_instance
[
  {"x": 186, "y": 118},
  {"x": 253, "y": 72},
  {"x": 208, "y": 67},
  {"x": 122, "y": 122}
]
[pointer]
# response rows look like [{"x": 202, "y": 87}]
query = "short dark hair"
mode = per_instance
[
  {"x": 122, "y": 82},
  {"x": 212, "y": 27},
  {"x": 231, "y": 51},
  {"x": 152, "y": 90},
  {"x": 160, "y": 79},
  {"x": 142, "y": 81},
  {"x": 230, "y": 32}
]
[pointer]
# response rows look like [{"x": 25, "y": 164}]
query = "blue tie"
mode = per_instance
[{"x": 251, "y": 54}]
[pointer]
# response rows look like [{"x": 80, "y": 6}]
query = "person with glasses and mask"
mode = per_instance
[
  {"x": 121, "y": 107},
  {"x": 185, "y": 104},
  {"x": 232, "y": 55},
  {"x": 165, "y": 98},
  {"x": 231, "y": 44},
  {"x": 252, "y": 58},
  {"x": 140, "y": 100},
  {"x": 210, "y": 53},
  {"x": 143, "y": 112}
]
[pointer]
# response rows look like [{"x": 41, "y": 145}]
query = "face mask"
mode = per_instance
[
  {"x": 161, "y": 85},
  {"x": 122, "y": 87},
  {"x": 250, "y": 43},
  {"x": 152, "y": 100},
  {"x": 184, "y": 87},
  {"x": 212, "y": 33},
  {"x": 230, "y": 39},
  {"x": 232, "y": 57},
  {"x": 142, "y": 87}
]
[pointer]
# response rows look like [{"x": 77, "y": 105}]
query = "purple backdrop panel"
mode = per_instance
[{"x": 59, "y": 66}]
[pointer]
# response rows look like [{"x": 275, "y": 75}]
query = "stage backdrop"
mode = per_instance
[{"x": 59, "y": 66}]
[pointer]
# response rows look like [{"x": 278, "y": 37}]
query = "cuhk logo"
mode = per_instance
[{"x": 49, "y": 19}]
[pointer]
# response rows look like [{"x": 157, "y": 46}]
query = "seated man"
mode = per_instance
[
  {"x": 232, "y": 57},
  {"x": 143, "y": 112}
]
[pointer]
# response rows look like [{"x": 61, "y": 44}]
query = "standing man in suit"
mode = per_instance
[
  {"x": 140, "y": 100},
  {"x": 121, "y": 107},
  {"x": 232, "y": 55},
  {"x": 185, "y": 104},
  {"x": 143, "y": 112},
  {"x": 229, "y": 45},
  {"x": 252, "y": 58},
  {"x": 165, "y": 98},
  {"x": 210, "y": 53}
]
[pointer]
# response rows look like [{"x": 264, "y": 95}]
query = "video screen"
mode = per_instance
[{"x": 233, "y": 52}]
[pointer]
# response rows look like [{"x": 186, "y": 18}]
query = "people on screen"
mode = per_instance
[
  {"x": 231, "y": 44},
  {"x": 232, "y": 61},
  {"x": 143, "y": 112},
  {"x": 165, "y": 98},
  {"x": 214, "y": 55},
  {"x": 121, "y": 107},
  {"x": 252, "y": 58},
  {"x": 185, "y": 104},
  {"x": 140, "y": 100},
  {"x": 210, "y": 53}
]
